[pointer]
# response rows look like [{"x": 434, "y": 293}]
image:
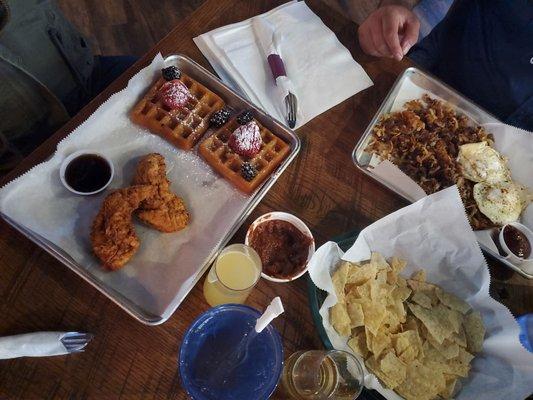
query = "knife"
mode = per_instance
[{"x": 264, "y": 32}]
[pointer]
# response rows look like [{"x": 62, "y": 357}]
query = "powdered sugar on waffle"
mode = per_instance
[
  {"x": 174, "y": 94},
  {"x": 246, "y": 140}
]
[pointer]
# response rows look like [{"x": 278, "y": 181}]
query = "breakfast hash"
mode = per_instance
[{"x": 438, "y": 147}]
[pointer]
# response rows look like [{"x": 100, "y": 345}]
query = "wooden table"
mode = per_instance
[{"x": 322, "y": 186}]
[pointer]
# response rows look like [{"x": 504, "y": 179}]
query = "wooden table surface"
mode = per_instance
[{"x": 322, "y": 186}]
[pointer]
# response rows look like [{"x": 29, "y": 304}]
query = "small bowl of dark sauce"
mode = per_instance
[
  {"x": 86, "y": 173},
  {"x": 516, "y": 240}
]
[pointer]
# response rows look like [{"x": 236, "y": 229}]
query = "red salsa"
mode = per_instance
[
  {"x": 282, "y": 247},
  {"x": 517, "y": 241}
]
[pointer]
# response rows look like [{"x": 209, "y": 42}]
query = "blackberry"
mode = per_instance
[
  {"x": 248, "y": 171},
  {"x": 245, "y": 117},
  {"x": 171, "y": 73},
  {"x": 220, "y": 117}
]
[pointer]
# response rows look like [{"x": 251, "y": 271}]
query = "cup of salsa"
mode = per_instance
[{"x": 284, "y": 244}]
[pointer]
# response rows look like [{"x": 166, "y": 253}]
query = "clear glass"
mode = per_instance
[
  {"x": 320, "y": 374},
  {"x": 233, "y": 275}
]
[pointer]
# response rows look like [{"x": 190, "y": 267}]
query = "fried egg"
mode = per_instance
[
  {"x": 482, "y": 163},
  {"x": 501, "y": 202}
]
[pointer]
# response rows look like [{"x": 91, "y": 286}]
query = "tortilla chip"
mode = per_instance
[
  {"x": 339, "y": 280},
  {"x": 435, "y": 320},
  {"x": 355, "y": 313},
  {"x": 456, "y": 319},
  {"x": 397, "y": 264},
  {"x": 402, "y": 341},
  {"x": 460, "y": 337},
  {"x": 453, "y": 302},
  {"x": 381, "y": 276},
  {"x": 361, "y": 274},
  {"x": 340, "y": 319},
  {"x": 393, "y": 367},
  {"x": 452, "y": 387},
  {"x": 421, "y": 299},
  {"x": 401, "y": 293},
  {"x": 375, "y": 368},
  {"x": 364, "y": 290},
  {"x": 448, "y": 348},
  {"x": 379, "y": 261},
  {"x": 392, "y": 278},
  {"x": 374, "y": 314},
  {"x": 423, "y": 286},
  {"x": 460, "y": 365},
  {"x": 475, "y": 331},
  {"x": 402, "y": 282},
  {"x": 380, "y": 342},
  {"x": 419, "y": 275},
  {"x": 358, "y": 344},
  {"x": 421, "y": 383}
]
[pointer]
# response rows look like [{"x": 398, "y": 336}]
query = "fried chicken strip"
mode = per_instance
[
  {"x": 113, "y": 236},
  {"x": 164, "y": 211}
]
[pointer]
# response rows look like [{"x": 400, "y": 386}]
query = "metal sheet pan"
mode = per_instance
[
  {"x": 234, "y": 101},
  {"x": 361, "y": 158}
]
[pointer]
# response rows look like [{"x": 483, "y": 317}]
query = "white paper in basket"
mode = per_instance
[
  {"x": 162, "y": 271},
  {"x": 514, "y": 143},
  {"x": 434, "y": 234}
]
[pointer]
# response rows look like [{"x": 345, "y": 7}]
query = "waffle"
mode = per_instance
[
  {"x": 182, "y": 127},
  {"x": 227, "y": 163}
]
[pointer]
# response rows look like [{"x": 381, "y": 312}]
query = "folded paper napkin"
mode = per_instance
[
  {"x": 38, "y": 344},
  {"x": 321, "y": 69}
]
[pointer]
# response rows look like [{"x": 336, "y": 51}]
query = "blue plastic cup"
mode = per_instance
[{"x": 213, "y": 363}]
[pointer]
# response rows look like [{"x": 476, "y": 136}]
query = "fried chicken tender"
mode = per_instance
[
  {"x": 113, "y": 236},
  {"x": 164, "y": 211}
]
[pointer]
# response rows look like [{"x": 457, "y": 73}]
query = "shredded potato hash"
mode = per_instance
[{"x": 423, "y": 141}]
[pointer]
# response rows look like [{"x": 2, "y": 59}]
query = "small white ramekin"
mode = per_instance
[
  {"x": 298, "y": 223},
  {"x": 510, "y": 255},
  {"x": 76, "y": 154}
]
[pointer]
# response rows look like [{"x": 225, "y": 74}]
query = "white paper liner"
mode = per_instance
[
  {"x": 514, "y": 143},
  {"x": 434, "y": 234},
  {"x": 164, "y": 268}
]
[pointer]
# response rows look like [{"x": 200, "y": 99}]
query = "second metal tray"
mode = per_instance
[{"x": 361, "y": 157}]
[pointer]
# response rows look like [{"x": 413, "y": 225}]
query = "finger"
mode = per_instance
[
  {"x": 379, "y": 41},
  {"x": 366, "y": 42},
  {"x": 410, "y": 34},
  {"x": 390, "y": 28}
]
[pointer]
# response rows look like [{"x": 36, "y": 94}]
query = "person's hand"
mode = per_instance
[{"x": 390, "y": 31}]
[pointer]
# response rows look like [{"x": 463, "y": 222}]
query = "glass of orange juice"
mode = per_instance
[{"x": 233, "y": 275}]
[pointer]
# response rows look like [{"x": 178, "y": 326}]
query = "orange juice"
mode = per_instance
[{"x": 233, "y": 275}]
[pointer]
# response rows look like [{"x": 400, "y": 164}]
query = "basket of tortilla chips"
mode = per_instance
[{"x": 410, "y": 298}]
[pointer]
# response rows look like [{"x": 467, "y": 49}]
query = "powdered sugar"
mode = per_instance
[
  {"x": 246, "y": 140},
  {"x": 174, "y": 94}
]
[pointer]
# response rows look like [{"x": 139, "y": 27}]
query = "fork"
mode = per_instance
[
  {"x": 291, "y": 105},
  {"x": 75, "y": 342}
]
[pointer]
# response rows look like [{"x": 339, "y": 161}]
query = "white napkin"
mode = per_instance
[
  {"x": 39, "y": 344},
  {"x": 321, "y": 69}
]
